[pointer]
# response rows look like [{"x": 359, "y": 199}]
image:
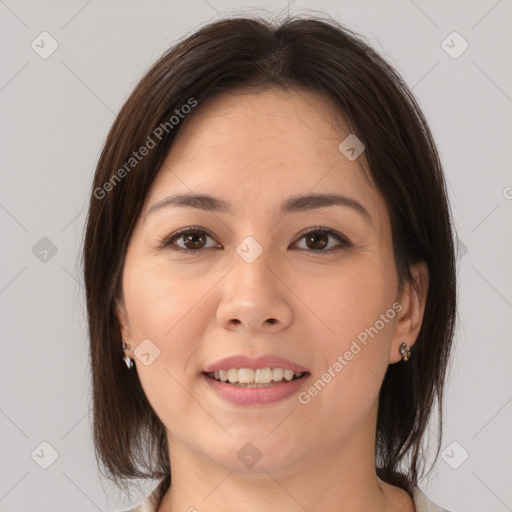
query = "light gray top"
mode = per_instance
[{"x": 421, "y": 502}]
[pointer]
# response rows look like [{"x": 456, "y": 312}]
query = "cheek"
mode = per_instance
[
  {"x": 355, "y": 299},
  {"x": 353, "y": 365},
  {"x": 158, "y": 301},
  {"x": 170, "y": 314},
  {"x": 360, "y": 316}
]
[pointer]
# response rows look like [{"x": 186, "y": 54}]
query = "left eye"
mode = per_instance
[
  {"x": 320, "y": 236},
  {"x": 194, "y": 240}
]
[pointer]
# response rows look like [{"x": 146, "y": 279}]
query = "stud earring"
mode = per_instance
[
  {"x": 405, "y": 351},
  {"x": 127, "y": 360}
]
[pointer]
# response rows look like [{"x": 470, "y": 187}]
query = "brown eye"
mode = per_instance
[
  {"x": 196, "y": 241},
  {"x": 318, "y": 238},
  {"x": 193, "y": 239}
]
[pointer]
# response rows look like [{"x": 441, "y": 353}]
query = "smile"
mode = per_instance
[
  {"x": 251, "y": 392},
  {"x": 260, "y": 377}
]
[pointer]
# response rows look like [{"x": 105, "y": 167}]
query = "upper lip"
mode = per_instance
[{"x": 243, "y": 361}]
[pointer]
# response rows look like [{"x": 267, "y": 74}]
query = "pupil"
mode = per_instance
[
  {"x": 313, "y": 236},
  {"x": 190, "y": 238}
]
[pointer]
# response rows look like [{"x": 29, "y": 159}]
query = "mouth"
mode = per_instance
[
  {"x": 252, "y": 380},
  {"x": 242, "y": 386},
  {"x": 255, "y": 378}
]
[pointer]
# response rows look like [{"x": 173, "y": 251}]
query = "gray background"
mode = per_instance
[{"x": 55, "y": 115}]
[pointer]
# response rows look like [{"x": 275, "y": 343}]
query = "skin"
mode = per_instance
[{"x": 254, "y": 151}]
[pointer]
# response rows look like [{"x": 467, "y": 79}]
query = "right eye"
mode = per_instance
[{"x": 193, "y": 236}]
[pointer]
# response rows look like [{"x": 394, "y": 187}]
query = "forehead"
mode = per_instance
[
  {"x": 253, "y": 149},
  {"x": 263, "y": 124}
]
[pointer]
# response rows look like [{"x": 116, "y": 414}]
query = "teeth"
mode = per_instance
[
  {"x": 245, "y": 375},
  {"x": 258, "y": 376},
  {"x": 277, "y": 373},
  {"x": 263, "y": 375},
  {"x": 288, "y": 375}
]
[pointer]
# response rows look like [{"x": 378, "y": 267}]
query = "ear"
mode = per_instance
[
  {"x": 410, "y": 317},
  {"x": 122, "y": 318}
]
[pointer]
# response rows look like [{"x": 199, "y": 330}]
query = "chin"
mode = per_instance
[{"x": 254, "y": 454}]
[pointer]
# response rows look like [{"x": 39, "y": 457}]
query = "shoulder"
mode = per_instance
[
  {"x": 139, "y": 508},
  {"x": 143, "y": 507},
  {"x": 423, "y": 503},
  {"x": 148, "y": 505}
]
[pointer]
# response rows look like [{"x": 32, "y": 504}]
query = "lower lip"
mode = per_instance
[{"x": 254, "y": 396}]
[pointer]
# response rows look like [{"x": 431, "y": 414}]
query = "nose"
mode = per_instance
[{"x": 254, "y": 297}]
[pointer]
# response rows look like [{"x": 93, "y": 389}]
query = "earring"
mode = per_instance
[
  {"x": 404, "y": 350},
  {"x": 127, "y": 360}
]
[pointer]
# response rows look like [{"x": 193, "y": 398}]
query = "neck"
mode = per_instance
[{"x": 338, "y": 480}]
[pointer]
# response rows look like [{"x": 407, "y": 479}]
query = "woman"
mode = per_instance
[{"x": 270, "y": 276}]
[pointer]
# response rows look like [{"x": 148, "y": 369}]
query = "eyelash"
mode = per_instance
[{"x": 167, "y": 243}]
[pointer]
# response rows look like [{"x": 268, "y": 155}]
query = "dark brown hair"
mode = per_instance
[{"x": 253, "y": 54}]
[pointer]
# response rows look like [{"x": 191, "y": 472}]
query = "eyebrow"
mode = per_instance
[{"x": 291, "y": 205}]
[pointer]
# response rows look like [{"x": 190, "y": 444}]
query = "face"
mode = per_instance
[{"x": 249, "y": 280}]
